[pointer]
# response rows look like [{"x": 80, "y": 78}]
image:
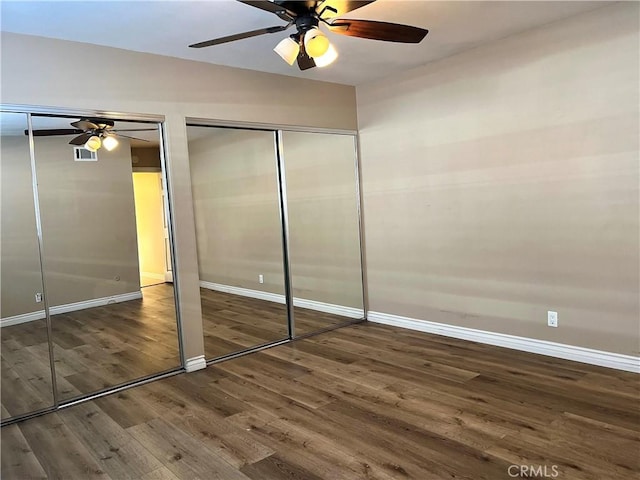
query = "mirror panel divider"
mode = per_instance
[
  {"x": 284, "y": 218},
  {"x": 359, "y": 200},
  {"x": 36, "y": 207}
]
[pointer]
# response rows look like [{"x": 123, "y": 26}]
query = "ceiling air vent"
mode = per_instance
[{"x": 81, "y": 154}]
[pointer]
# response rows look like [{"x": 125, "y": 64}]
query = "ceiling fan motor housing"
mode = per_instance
[
  {"x": 101, "y": 122},
  {"x": 305, "y": 23}
]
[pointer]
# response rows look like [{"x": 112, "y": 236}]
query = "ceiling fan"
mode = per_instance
[
  {"x": 309, "y": 45},
  {"x": 92, "y": 133}
]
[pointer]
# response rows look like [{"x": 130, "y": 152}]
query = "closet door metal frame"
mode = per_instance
[
  {"x": 278, "y": 131},
  {"x": 36, "y": 208},
  {"x": 359, "y": 202},
  {"x": 30, "y": 111},
  {"x": 284, "y": 225}
]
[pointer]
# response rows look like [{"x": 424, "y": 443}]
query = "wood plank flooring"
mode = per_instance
[
  {"x": 362, "y": 402},
  {"x": 105, "y": 346}
]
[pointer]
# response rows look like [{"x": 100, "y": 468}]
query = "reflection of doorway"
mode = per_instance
[
  {"x": 147, "y": 188},
  {"x": 151, "y": 219}
]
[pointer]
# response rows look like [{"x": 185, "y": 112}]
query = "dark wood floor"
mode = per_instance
[
  {"x": 362, "y": 402},
  {"x": 105, "y": 346}
]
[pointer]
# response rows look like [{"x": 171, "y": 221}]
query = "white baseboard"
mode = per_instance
[
  {"x": 70, "y": 307},
  {"x": 279, "y": 298},
  {"x": 559, "y": 350},
  {"x": 195, "y": 363}
]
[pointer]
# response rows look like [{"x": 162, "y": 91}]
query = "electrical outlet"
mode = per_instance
[
  {"x": 38, "y": 297},
  {"x": 552, "y": 318},
  {"x": 261, "y": 278}
]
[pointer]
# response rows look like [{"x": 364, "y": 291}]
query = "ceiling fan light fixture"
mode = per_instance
[
  {"x": 328, "y": 58},
  {"x": 313, "y": 48},
  {"x": 316, "y": 43},
  {"x": 288, "y": 49},
  {"x": 93, "y": 144},
  {"x": 110, "y": 142}
]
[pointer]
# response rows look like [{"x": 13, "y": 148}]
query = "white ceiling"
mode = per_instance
[{"x": 167, "y": 27}]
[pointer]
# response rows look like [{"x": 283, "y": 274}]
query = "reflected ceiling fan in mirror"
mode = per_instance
[
  {"x": 309, "y": 45},
  {"x": 92, "y": 133}
]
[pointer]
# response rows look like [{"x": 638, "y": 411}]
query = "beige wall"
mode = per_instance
[
  {"x": 235, "y": 197},
  {"x": 147, "y": 188},
  {"x": 88, "y": 222},
  {"x": 503, "y": 182},
  {"x": 144, "y": 83},
  {"x": 21, "y": 277}
]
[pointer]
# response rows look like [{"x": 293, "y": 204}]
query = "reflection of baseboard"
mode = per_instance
[
  {"x": 532, "y": 345},
  {"x": 23, "y": 318},
  {"x": 245, "y": 292},
  {"x": 70, "y": 307},
  {"x": 341, "y": 310},
  {"x": 155, "y": 276}
]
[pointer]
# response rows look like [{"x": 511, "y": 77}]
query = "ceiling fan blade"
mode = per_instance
[
  {"x": 84, "y": 125},
  {"x": 341, "y": 7},
  {"x": 54, "y": 131},
  {"x": 239, "y": 36},
  {"x": 81, "y": 139},
  {"x": 388, "y": 32},
  {"x": 272, "y": 7},
  {"x": 305, "y": 62},
  {"x": 134, "y": 130},
  {"x": 134, "y": 138}
]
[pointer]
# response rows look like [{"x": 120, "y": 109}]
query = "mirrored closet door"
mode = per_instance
[
  {"x": 234, "y": 183},
  {"x": 26, "y": 366},
  {"x": 324, "y": 229},
  {"x": 104, "y": 258},
  {"x": 278, "y": 234}
]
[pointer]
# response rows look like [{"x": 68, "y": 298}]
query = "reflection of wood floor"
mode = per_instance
[
  {"x": 94, "y": 348},
  {"x": 232, "y": 323},
  {"x": 105, "y": 346},
  {"x": 363, "y": 402}
]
